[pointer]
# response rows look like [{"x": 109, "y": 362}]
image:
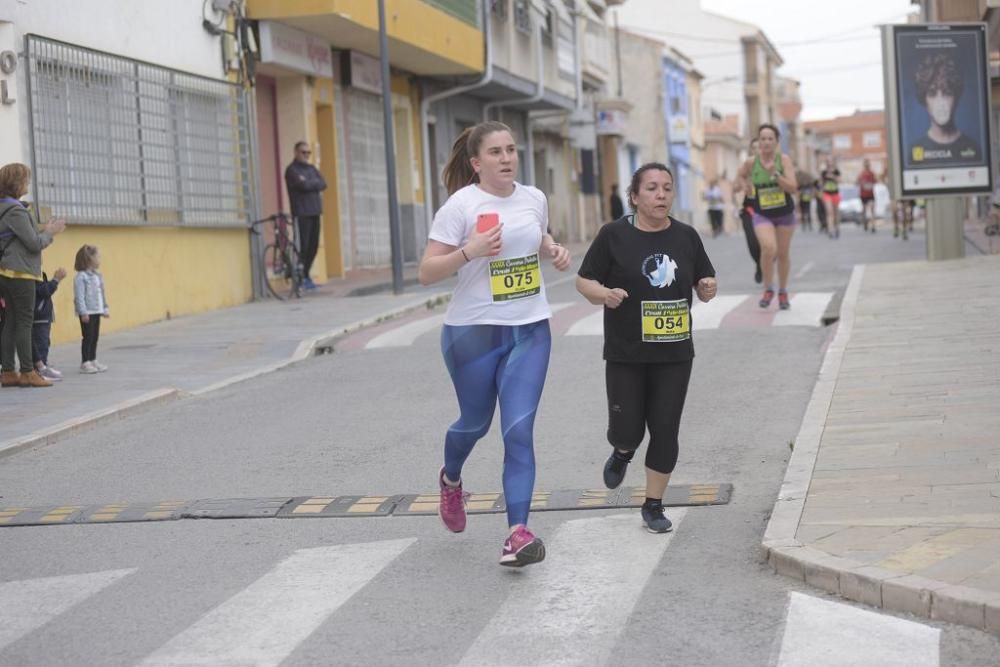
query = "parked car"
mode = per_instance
[{"x": 850, "y": 202}]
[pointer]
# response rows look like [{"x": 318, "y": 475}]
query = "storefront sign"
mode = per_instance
[
  {"x": 679, "y": 132},
  {"x": 361, "y": 71},
  {"x": 939, "y": 108},
  {"x": 611, "y": 121},
  {"x": 294, "y": 49}
]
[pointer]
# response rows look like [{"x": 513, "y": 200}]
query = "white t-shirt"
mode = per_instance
[{"x": 506, "y": 289}]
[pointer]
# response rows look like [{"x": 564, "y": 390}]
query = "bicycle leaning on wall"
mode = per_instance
[{"x": 282, "y": 267}]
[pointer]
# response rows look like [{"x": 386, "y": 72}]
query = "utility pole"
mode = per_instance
[{"x": 395, "y": 235}]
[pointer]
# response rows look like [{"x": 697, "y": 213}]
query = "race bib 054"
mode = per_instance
[{"x": 665, "y": 321}]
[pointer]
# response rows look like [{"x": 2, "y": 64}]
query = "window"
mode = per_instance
[
  {"x": 842, "y": 142},
  {"x": 499, "y": 8},
  {"x": 118, "y": 141},
  {"x": 522, "y": 15},
  {"x": 871, "y": 139}
]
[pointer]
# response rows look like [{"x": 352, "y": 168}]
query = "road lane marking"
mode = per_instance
[
  {"x": 570, "y": 609},
  {"x": 263, "y": 623},
  {"x": 820, "y": 633},
  {"x": 406, "y": 334},
  {"x": 29, "y": 604},
  {"x": 807, "y": 310},
  {"x": 804, "y": 270},
  {"x": 709, "y": 315},
  {"x": 589, "y": 325}
]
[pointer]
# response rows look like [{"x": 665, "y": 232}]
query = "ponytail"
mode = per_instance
[{"x": 458, "y": 171}]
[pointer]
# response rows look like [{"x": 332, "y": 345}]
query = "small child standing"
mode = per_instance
[
  {"x": 91, "y": 305},
  {"x": 41, "y": 328}
]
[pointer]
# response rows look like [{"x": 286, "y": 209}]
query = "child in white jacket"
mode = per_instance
[{"x": 91, "y": 305}]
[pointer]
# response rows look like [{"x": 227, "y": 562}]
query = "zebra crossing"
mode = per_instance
[
  {"x": 725, "y": 311},
  {"x": 570, "y": 610}
]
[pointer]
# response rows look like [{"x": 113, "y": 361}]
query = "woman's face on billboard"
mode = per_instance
[{"x": 940, "y": 106}]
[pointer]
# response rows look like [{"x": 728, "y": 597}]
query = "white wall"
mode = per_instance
[
  {"x": 684, "y": 27},
  {"x": 163, "y": 32}
]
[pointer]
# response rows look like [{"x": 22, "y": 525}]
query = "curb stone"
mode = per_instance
[
  {"x": 312, "y": 346},
  {"x": 854, "y": 580},
  {"x": 118, "y": 411},
  {"x": 307, "y": 348}
]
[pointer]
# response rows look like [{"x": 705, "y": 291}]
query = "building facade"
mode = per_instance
[
  {"x": 319, "y": 81},
  {"x": 735, "y": 58},
  {"x": 139, "y": 140},
  {"x": 851, "y": 140}
]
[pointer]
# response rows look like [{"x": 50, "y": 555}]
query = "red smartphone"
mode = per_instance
[{"x": 487, "y": 221}]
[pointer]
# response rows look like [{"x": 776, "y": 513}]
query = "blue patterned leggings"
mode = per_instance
[{"x": 487, "y": 362}]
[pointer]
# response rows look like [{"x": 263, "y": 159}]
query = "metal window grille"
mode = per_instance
[{"x": 118, "y": 141}]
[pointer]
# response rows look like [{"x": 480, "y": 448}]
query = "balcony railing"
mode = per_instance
[{"x": 464, "y": 10}]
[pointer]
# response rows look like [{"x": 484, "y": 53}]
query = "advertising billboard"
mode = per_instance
[{"x": 939, "y": 108}]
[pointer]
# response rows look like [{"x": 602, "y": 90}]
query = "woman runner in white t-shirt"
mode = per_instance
[{"x": 495, "y": 338}]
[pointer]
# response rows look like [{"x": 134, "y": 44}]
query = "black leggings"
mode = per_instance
[
  {"x": 647, "y": 395},
  {"x": 91, "y": 331},
  {"x": 753, "y": 245}
]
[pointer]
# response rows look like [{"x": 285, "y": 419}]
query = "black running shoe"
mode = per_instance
[
  {"x": 652, "y": 516},
  {"x": 615, "y": 467}
]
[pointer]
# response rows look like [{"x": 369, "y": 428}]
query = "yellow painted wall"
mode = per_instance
[
  {"x": 450, "y": 37},
  {"x": 153, "y": 273}
]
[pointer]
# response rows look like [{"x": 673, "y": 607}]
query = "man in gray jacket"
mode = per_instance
[{"x": 305, "y": 184}]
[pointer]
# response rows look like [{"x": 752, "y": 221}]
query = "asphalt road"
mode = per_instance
[{"x": 401, "y": 590}]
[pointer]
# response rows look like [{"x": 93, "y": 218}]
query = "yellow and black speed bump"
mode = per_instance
[
  {"x": 235, "y": 508},
  {"x": 338, "y": 506},
  {"x": 351, "y": 506},
  {"x": 575, "y": 499}
]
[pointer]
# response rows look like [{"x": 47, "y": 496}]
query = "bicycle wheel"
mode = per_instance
[
  {"x": 294, "y": 270},
  {"x": 282, "y": 272}
]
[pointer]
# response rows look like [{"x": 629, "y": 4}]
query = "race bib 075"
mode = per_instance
[{"x": 515, "y": 278}]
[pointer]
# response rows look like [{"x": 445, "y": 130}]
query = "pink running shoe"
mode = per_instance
[
  {"x": 451, "y": 507},
  {"x": 522, "y": 548}
]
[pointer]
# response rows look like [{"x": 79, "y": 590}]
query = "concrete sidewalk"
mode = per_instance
[
  {"x": 892, "y": 494},
  {"x": 198, "y": 353}
]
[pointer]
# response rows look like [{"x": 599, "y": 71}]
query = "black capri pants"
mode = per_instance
[{"x": 642, "y": 396}]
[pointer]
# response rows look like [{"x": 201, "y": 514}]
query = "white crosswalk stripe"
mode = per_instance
[
  {"x": 569, "y": 610},
  {"x": 29, "y": 604},
  {"x": 576, "y": 603},
  {"x": 807, "y": 310},
  {"x": 406, "y": 334},
  {"x": 264, "y": 623},
  {"x": 820, "y": 633},
  {"x": 709, "y": 315},
  {"x": 590, "y": 325}
]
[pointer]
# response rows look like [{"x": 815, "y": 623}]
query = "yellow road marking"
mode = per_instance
[
  {"x": 159, "y": 515},
  {"x": 318, "y": 501},
  {"x": 103, "y": 517},
  {"x": 359, "y": 508},
  {"x": 702, "y": 498},
  {"x": 422, "y": 507},
  {"x": 479, "y": 505}
]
